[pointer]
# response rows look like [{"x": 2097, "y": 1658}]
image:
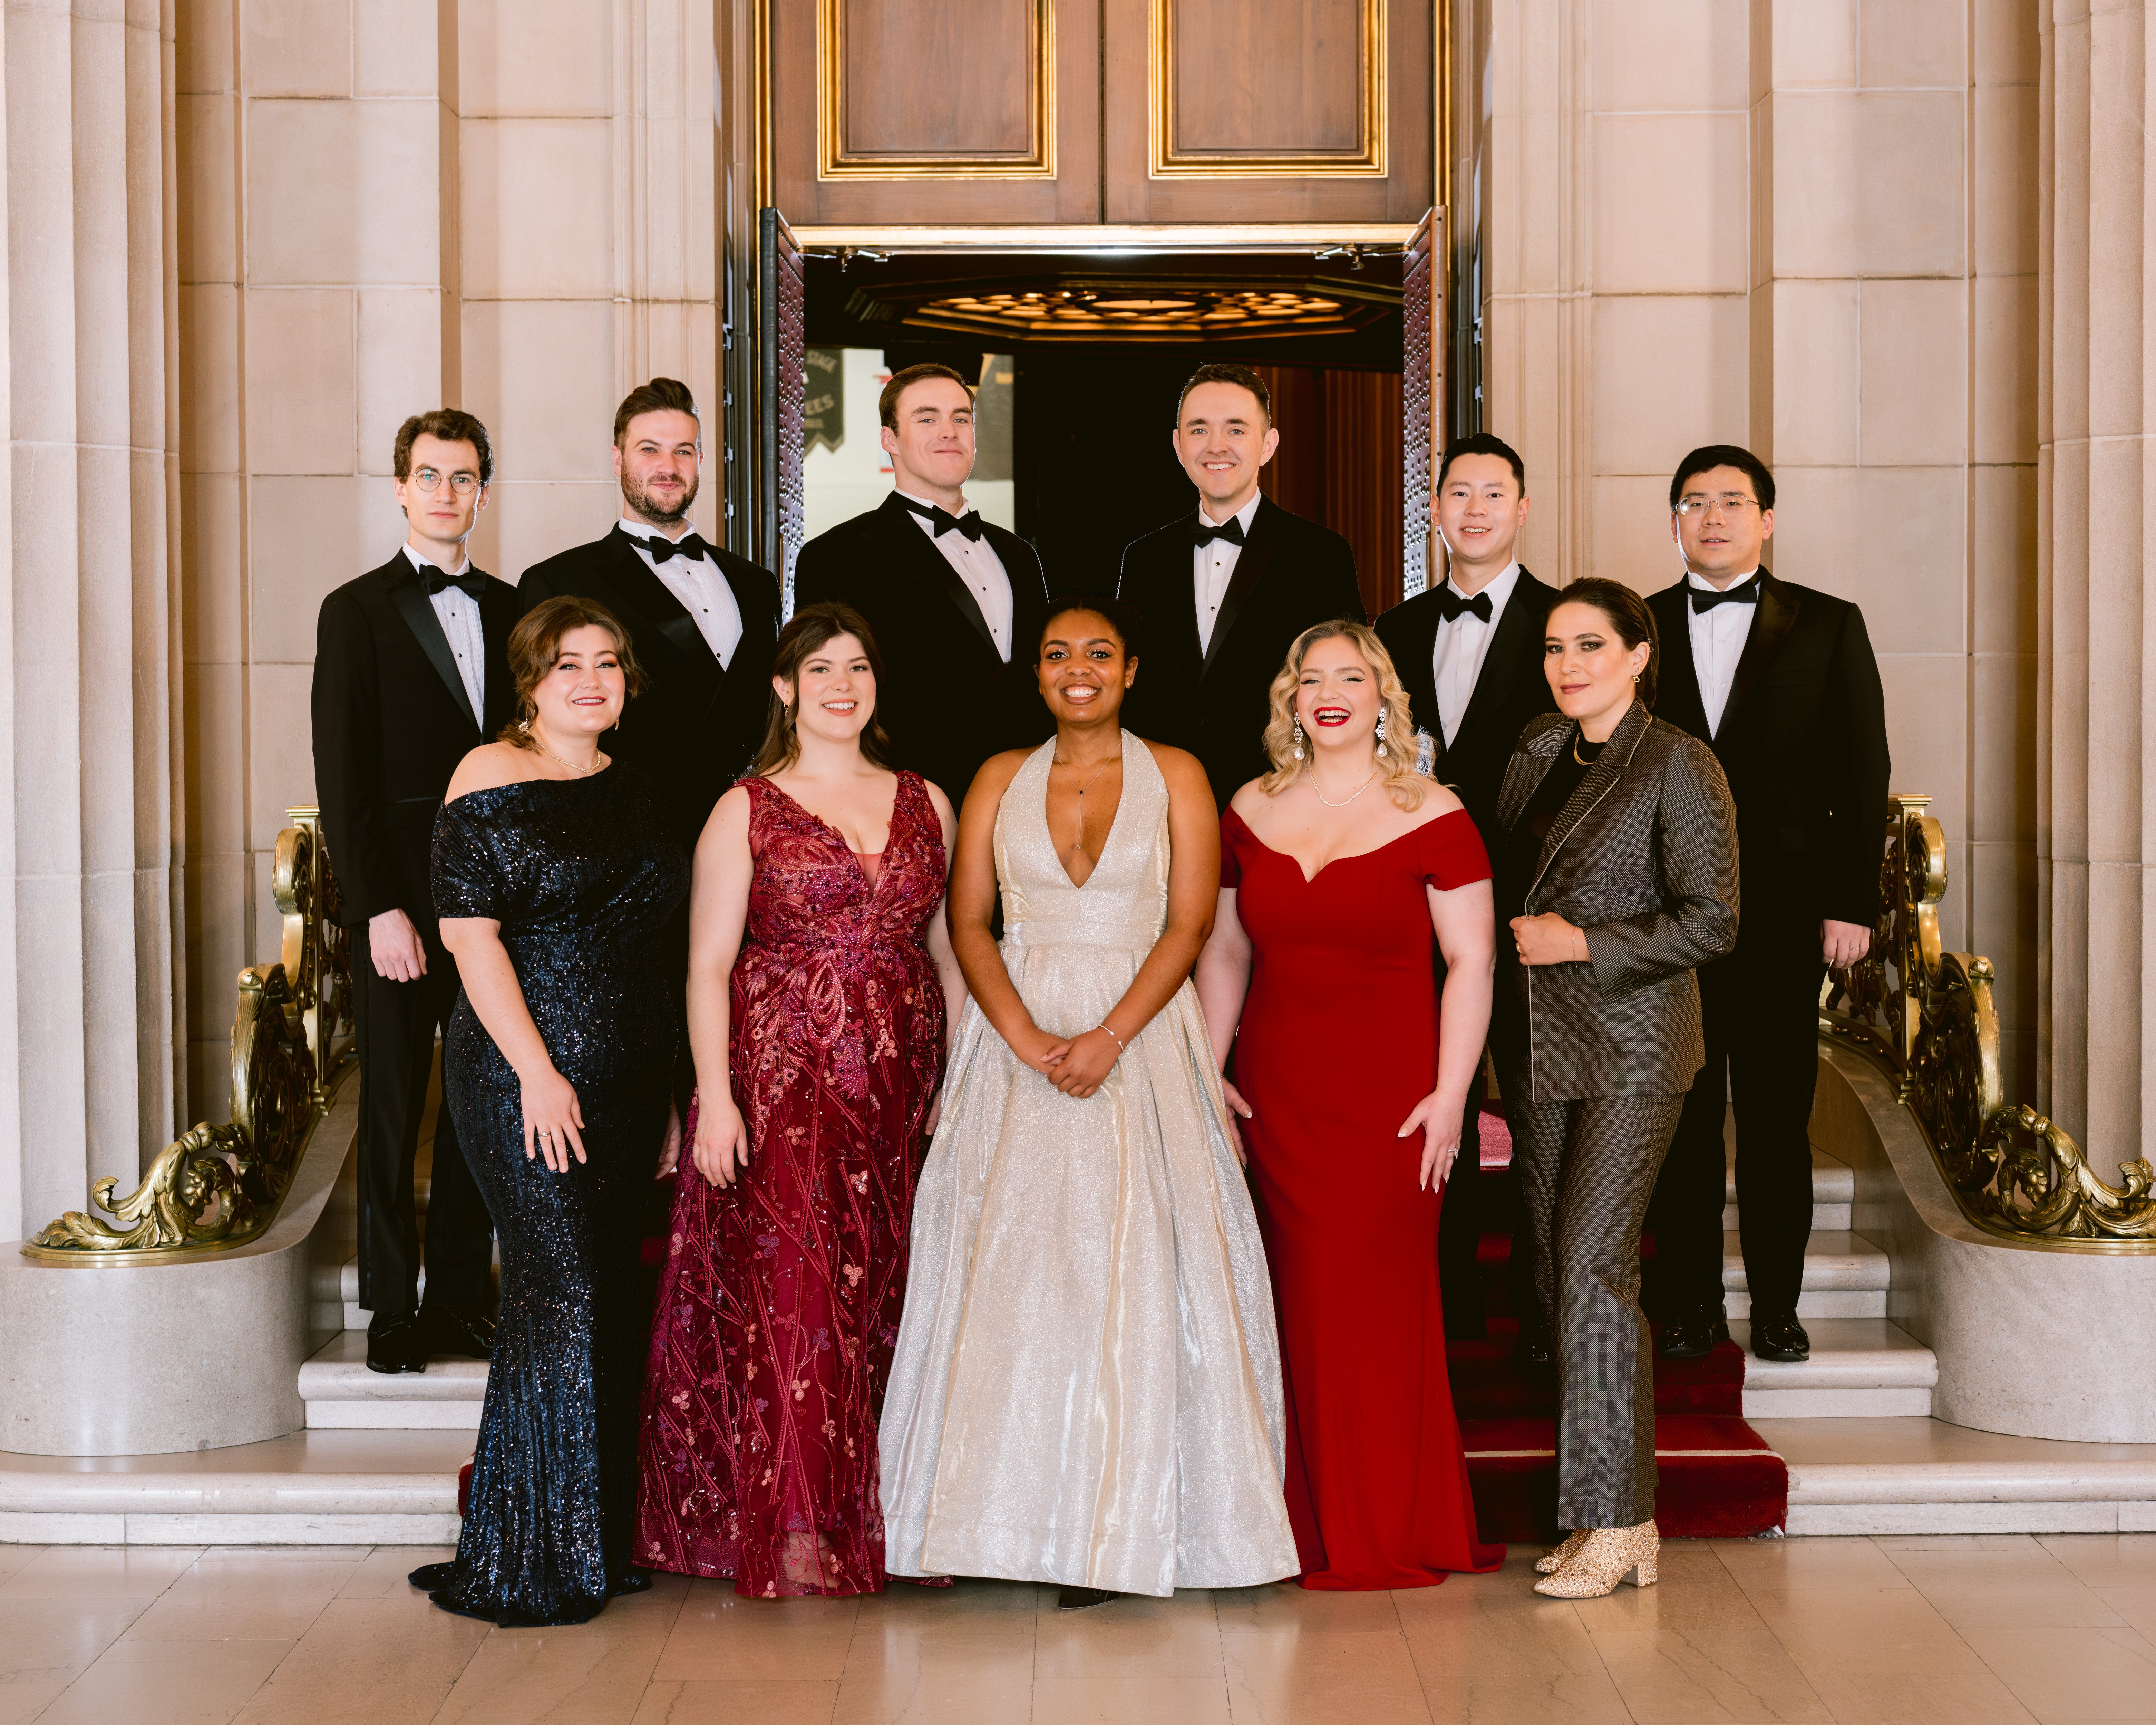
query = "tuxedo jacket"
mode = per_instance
[
  {"x": 1214, "y": 701},
  {"x": 1803, "y": 743},
  {"x": 391, "y": 721},
  {"x": 1642, "y": 857},
  {"x": 697, "y": 722},
  {"x": 1511, "y": 690},
  {"x": 948, "y": 701}
]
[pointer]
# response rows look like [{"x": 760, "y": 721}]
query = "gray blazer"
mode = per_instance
[{"x": 1643, "y": 858}]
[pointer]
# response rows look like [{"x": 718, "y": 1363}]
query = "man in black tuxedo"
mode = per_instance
[
  {"x": 703, "y": 622},
  {"x": 1781, "y": 681},
  {"x": 410, "y": 676},
  {"x": 1470, "y": 654},
  {"x": 1225, "y": 590},
  {"x": 956, "y": 604}
]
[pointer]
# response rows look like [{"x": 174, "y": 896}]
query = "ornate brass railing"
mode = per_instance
[
  {"x": 1926, "y": 1015},
  {"x": 215, "y": 1187}
]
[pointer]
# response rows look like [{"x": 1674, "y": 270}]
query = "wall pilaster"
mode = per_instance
[{"x": 89, "y": 1081}]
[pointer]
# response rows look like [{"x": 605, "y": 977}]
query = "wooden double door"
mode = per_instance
[{"x": 1100, "y": 111}]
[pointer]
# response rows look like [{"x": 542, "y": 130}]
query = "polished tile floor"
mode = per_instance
[{"x": 1960, "y": 1631}]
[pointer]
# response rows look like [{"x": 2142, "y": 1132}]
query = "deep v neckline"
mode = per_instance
[
  {"x": 1115, "y": 820},
  {"x": 853, "y": 856}
]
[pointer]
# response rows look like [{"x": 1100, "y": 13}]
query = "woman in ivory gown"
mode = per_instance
[{"x": 1086, "y": 1388}]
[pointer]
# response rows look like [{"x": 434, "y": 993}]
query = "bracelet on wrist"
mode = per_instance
[{"x": 1121, "y": 1047}]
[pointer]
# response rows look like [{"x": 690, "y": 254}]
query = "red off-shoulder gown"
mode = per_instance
[{"x": 1338, "y": 1042}]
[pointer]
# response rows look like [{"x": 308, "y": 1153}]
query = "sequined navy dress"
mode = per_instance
[{"x": 583, "y": 876}]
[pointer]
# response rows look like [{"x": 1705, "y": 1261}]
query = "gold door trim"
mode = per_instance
[
  {"x": 835, "y": 162},
  {"x": 1080, "y": 237},
  {"x": 1166, "y": 162}
]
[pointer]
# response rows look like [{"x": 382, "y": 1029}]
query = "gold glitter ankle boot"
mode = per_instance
[
  {"x": 1554, "y": 1559},
  {"x": 1607, "y": 1557}
]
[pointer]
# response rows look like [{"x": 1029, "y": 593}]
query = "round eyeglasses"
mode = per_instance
[
  {"x": 1729, "y": 503},
  {"x": 430, "y": 479}
]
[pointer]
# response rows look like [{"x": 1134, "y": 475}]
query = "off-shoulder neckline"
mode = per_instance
[
  {"x": 1352, "y": 856},
  {"x": 519, "y": 784}
]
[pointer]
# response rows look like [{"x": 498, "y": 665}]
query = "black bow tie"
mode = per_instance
[
  {"x": 1745, "y": 592},
  {"x": 1230, "y": 530},
  {"x": 1454, "y": 606},
  {"x": 944, "y": 521},
  {"x": 471, "y": 581},
  {"x": 688, "y": 547}
]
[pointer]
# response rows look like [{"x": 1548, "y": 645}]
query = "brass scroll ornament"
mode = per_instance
[
  {"x": 219, "y": 1186},
  {"x": 1927, "y": 1016}
]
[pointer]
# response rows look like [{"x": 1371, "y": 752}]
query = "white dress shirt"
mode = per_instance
[
  {"x": 701, "y": 586},
  {"x": 1213, "y": 565},
  {"x": 458, "y": 612},
  {"x": 1718, "y": 642},
  {"x": 978, "y": 566},
  {"x": 1462, "y": 645}
]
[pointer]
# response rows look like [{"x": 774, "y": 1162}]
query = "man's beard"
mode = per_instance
[{"x": 645, "y": 504}]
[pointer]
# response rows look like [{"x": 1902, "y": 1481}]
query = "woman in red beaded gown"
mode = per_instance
[
  {"x": 1351, "y": 1083},
  {"x": 820, "y": 982}
]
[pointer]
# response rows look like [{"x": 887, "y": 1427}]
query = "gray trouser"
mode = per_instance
[{"x": 1588, "y": 1168}]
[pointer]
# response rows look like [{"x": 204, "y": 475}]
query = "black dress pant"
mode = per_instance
[
  {"x": 1759, "y": 1008},
  {"x": 396, "y": 1024}
]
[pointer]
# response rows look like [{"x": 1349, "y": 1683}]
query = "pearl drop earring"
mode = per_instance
[
  {"x": 1381, "y": 736},
  {"x": 1298, "y": 739}
]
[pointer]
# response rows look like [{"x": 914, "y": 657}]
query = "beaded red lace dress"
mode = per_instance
[{"x": 779, "y": 1296}]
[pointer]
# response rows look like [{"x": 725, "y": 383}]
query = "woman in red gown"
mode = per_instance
[
  {"x": 820, "y": 978},
  {"x": 1336, "y": 867}
]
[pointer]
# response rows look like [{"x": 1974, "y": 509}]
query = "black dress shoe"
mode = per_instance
[
  {"x": 1532, "y": 1347},
  {"x": 431, "y": 1578},
  {"x": 396, "y": 1344},
  {"x": 634, "y": 1581},
  {"x": 1780, "y": 1336},
  {"x": 453, "y": 1333},
  {"x": 1077, "y": 1599},
  {"x": 1695, "y": 1335}
]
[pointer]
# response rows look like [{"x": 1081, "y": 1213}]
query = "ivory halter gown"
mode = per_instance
[{"x": 1087, "y": 1384}]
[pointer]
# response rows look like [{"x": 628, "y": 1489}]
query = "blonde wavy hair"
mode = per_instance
[{"x": 1402, "y": 782}]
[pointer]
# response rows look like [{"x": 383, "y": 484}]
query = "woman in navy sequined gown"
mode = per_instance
[
  {"x": 820, "y": 981},
  {"x": 555, "y": 877}
]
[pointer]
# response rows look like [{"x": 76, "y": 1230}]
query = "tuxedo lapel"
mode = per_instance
[
  {"x": 653, "y": 609},
  {"x": 759, "y": 618},
  {"x": 1529, "y": 767},
  {"x": 1777, "y": 611},
  {"x": 1677, "y": 698},
  {"x": 1028, "y": 586},
  {"x": 409, "y": 593},
  {"x": 499, "y": 608},
  {"x": 1257, "y": 554},
  {"x": 917, "y": 547},
  {"x": 1502, "y": 664}
]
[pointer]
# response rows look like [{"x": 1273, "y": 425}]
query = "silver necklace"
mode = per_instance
[
  {"x": 1095, "y": 778},
  {"x": 581, "y": 772},
  {"x": 1349, "y": 798}
]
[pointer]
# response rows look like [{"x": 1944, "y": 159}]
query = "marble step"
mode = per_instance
[
  {"x": 1846, "y": 1276},
  {"x": 1833, "y": 1189},
  {"x": 342, "y": 1395},
  {"x": 1860, "y": 1368},
  {"x": 1913, "y": 1475},
  {"x": 311, "y": 1488}
]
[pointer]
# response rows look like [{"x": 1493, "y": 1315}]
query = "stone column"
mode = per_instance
[
  {"x": 88, "y": 1076},
  {"x": 319, "y": 295},
  {"x": 2094, "y": 416}
]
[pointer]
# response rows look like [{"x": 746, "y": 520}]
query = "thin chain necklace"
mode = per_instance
[
  {"x": 581, "y": 772},
  {"x": 1095, "y": 778},
  {"x": 1349, "y": 798}
]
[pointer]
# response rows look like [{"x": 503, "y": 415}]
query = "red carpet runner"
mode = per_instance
[{"x": 1719, "y": 1478}]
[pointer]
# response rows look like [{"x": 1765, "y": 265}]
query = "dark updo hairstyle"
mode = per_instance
[
  {"x": 535, "y": 642},
  {"x": 1629, "y": 616},
  {"x": 1124, "y": 620},
  {"x": 814, "y": 628}
]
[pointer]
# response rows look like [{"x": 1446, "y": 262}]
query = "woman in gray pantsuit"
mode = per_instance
[{"x": 1619, "y": 875}]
